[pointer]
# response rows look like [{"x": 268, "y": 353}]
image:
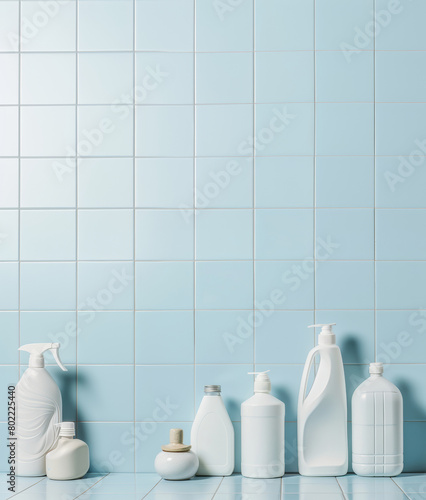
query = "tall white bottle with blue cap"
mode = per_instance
[
  {"x": 322, "y": 412},
  {"x": 39, "y": 409},
  {"x": 262, "y": 432}
]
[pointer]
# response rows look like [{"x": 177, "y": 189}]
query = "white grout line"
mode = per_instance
[
  {"x": 218, "y": 487},
  {"x": 194, "y": 187},
  {"x": 254, "y": 183},
  {"x": 76, "y": 211}
]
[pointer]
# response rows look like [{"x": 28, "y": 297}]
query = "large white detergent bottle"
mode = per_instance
[
  {"x": 212, "y": 435},
  {"x": 377, "y": 426},
  {"x": 39, "y": 409},
  {"x": 262, "y": 432},
  {"x": 322, "y": 413}
]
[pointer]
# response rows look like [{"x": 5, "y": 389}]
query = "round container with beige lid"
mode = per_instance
[{"x": 176, "y": 462}]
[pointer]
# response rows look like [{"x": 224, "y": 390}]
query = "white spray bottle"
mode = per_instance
[
  {"x": 38, "y": 408},
  {"x": 322, "y": 413}
]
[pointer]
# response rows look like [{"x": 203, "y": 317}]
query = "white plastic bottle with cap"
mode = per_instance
[
  {"x": 322, "y": 413},
  {"x": 38, "y": 409},
  {"x": 70, "y": 458},
  {"x": 212, "y": 435},
  {"x": 377, "y": 426},
  {"x": 262, "y": 432}
]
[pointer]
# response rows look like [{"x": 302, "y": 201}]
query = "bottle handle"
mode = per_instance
[{"x": 306, "y": 371}]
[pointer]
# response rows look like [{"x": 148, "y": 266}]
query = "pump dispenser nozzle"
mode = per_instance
[
  {"x": 36, "y": 354},
  {"x": 326, "y": 335},
  {"x": 262, "y": 382}
]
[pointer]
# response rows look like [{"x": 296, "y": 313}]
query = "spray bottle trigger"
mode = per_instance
[{"x": 55, "y": 352}]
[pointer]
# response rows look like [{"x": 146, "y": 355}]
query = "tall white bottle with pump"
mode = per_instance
[
  {"x": 322, "y": 413},
  {"x": 39, "y": 409},
  {"x": 377, "y": 426},
  {"x": 262, "y": 432},
  {"x": 212, "y": 435}
]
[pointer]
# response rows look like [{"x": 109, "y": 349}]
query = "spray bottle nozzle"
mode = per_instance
[
  {"x": 262, "y": 382},
  {"x": 36, "y": 354}
]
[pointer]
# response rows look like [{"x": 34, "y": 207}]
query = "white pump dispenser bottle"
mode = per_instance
[
  {"x": 322, "y": 413},
  {"x": 262, "y": 432},
  {"x": 38, "y": 408}
]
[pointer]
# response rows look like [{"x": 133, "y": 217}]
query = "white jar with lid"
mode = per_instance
[{"x": 176, "y": 462}]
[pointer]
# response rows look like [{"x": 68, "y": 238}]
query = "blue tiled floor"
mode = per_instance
[{"x": 152, "y": 487}]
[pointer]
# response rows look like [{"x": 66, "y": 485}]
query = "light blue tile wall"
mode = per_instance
[{"x": 185, "y": 185}]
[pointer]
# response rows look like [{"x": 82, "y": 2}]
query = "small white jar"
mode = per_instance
[{"x": 176, "y": 462}]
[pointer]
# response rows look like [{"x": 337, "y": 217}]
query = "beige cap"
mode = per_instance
[{"x": 176, "y": 442}]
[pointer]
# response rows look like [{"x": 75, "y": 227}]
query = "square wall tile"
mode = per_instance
[
  {"x": 224, "y": 285},
  {"x": 166, "y": 25},
  {"x": 164, "y": 337},
  {"x": 164, "y": 285},
  {"x": 164, "y": 235},
  {"x": 345, "y": 129},
  {"x": 40, "y": 133},
  {"x": 48, "y": 78},
  {"x": 48, "y": 183},
  {"x": 9, "y": 130},
  {"x": 9, "y": 285},
  {"x": 104, "y": 330},
  {"x": 277, "y": 330},
  {"x": 340, "y": 80},
  {"x": 224, "y": 234},
  {"x": 164, "y": 78},
  {"x": 354, "y": 332},
  {"x": 48, "y": 286},
  {"x": 405, "y": 32},
  {"x": 336, "y": 25},
  {"x": 109, "y": 454},
  {"x": 9, "y": 231},
  {"x": 105, "y": 183},
  {"x": 400, "y": 285},
  {"x": 284, "y": 77},
  {"x": 344, "y": 285},
  {"x": 9, "y": 85},
  {"x": 350, "y": 230},
  {"x": 224, "y": 337},
  {"x": 51, "y": 326},
  {"x": 224, "y": 182},
  {"x": 105, "y": 286},
  {"x": 394, "y": 190},
  {"x": 105, "y": 130},
  {"x": 400, "y": 76},
  {"x": 285, "y": 285},
  {"x": 338, "y": 187},
  {"x": 164, "y": 183},
  {"x": 284, "y": 182},
  {"x": 48, "y": 235},
  {"x": 213, "y": 87},
  {"x": 98, "y": 35},
  {"x": 9, "y": 183},
  {"x": 400, "y": 234},
  {"x": 413, "y": 432},
  {"x": 400, "y": 129},
  {"x": 105, "y": 234},
  {"x": 98, "y": 386},
  {"x": 228, "y": 29},
  {"x": 237, "y": 386},
  {"x": 284, "y": 234},
  {"x": 9, "y": 26},
  {"x": 51, "y": 31},
  {"x": 104, "y": 78},
  {"x": 9, "y": 328},
  {"x": 283, "y": 129},
  {"x": 400, "y": 336},
  {"x": 164, "y": 131},
  {"x": 224, "y": 130},
  {"x": 170, "y": 385},
  {"x": 284, "y": 25}
]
